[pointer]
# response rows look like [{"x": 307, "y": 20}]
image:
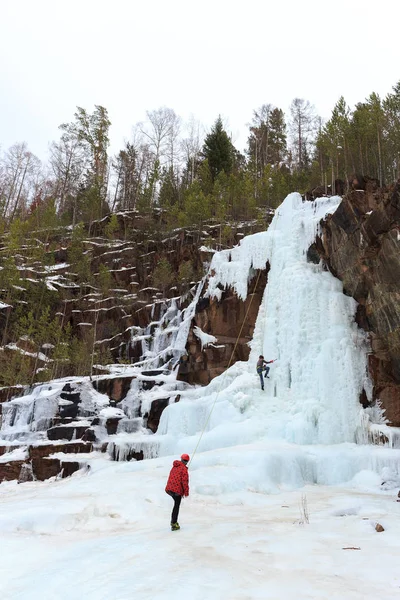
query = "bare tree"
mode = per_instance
[
  {"x": 132, "y": 168},
  {"x": 259, "y": 136},
  {"x": 161, "y": 131},
  {"x": 158, "y": 129},
  {"x": 67, "y": 162},
  {"x": 91, "y": 130},
  {"x": 19, "y": 167},
  {"x": 191, "y": 146},
  {"x": 303, "y": 129},
  {"x": 173, "y": 148}
]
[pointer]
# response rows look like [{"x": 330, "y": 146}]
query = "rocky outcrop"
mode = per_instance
[
  {"x": 156, "y": 409},
  {"x": 116, "y": 388},
  {"x": 10, "y": 470},
  {"x": 90, "y": 426},
  {"x": 66, "y": 432},
  {"x": 125, "y": 299},
  {"x": 51, "y": 467},
  {"x": 7, "y": 393},
  {"x": 39, "y": 464},
  {"x": 44, "y": 450},
  {"x": 121, "y": 317},
  {"x": 231, "y": 321},
  {"x": 360, "y": 244}
]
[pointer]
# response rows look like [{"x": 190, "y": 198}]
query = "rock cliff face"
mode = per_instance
[
  {"x": 360, "y": 243},
  {"x": 135, "y": 323},
  {"x": 231, "y": 321}
]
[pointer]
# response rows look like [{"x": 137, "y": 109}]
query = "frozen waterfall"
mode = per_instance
[{"x": 307, "y": 324}]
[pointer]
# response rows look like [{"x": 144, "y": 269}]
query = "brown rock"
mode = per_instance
[
  {"x": 10, "y": 470},
  {"x": 112, "y": 425},
  {"x": 37, "y": 452},
  {"x": 379, "y": 528},
  {"x": 66, "y": 432},
  {"x": 115, "y": 388},
  {"x": 390, "y": 398},
  {"x": 4, "y": 449},
  {"x": 89, "y": 435},
  {"x": 44, "y": 468},
  {"x": 361, "y": 248},
  {"x": 156, "y": 409},
  {"x": 203, "y": 377},
  {"x": 224, "y": 320},
  {"x": 69, "y": 467}
]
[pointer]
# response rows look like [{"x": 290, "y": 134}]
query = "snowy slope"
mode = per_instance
[{"x": 105, "y": 536}]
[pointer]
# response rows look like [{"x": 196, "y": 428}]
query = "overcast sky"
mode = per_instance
[{"x": 202, "y": 58}]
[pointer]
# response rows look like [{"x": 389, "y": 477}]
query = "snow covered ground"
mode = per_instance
[{"x": 105, "y": 536}]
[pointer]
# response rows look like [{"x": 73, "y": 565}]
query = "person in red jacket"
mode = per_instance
[{"x": 178, "y": 486}]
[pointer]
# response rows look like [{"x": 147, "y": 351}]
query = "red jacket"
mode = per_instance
[{"x": 178, "y": 480}]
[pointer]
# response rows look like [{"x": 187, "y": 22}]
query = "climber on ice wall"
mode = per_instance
[
  {"x": 262, "y": 366},
  {"x": 178, "y": 486}
]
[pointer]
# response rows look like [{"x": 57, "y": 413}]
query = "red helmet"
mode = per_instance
[{"x": 185, "y": 457}]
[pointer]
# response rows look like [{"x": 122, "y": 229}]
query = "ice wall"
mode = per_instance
[
  {"x": 164, "y": 341},
  {"x": 28, "y": 417},
  {"x": 307, "y": 324}
]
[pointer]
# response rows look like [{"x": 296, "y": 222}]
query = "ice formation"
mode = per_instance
[
  {"x": 308, "y": 425},
  {"x": 306, "y": 323},
  {"x": 309, "y": 419},
  {"x": 205, "y": 338}
]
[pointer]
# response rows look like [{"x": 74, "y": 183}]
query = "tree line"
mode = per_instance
[{"x": 193, "y": 175}]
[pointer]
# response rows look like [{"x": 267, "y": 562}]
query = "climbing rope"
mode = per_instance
[{"x": 230, "y": 361}]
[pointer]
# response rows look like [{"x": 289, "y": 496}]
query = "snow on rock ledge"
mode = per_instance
[{"x": 205, "y": 338}]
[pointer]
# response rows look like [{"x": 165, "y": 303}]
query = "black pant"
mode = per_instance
[{"x": 177, "y": 502}]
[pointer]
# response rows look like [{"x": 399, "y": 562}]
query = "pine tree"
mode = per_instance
[
  {"x": 197, "y": 205},
  {"x": 186, "y": 275},
  {"x": 163, "y": 275},
  {"x": 129, "y": 167},
  {"x": 333, "y": 145},
  {"x": 277, "y": 145},
  {"x": 104, "y": 279},
  {"x": 218, "y": 150},
  {"x": 111, "y": 227},
  {"x": 266, "y": 146},
  {"x": 91, "y": 131},
  {"x": 79, "y": 259},
  {"x": 375, "y": 108},
  {"x": 169, "y": 189}
]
